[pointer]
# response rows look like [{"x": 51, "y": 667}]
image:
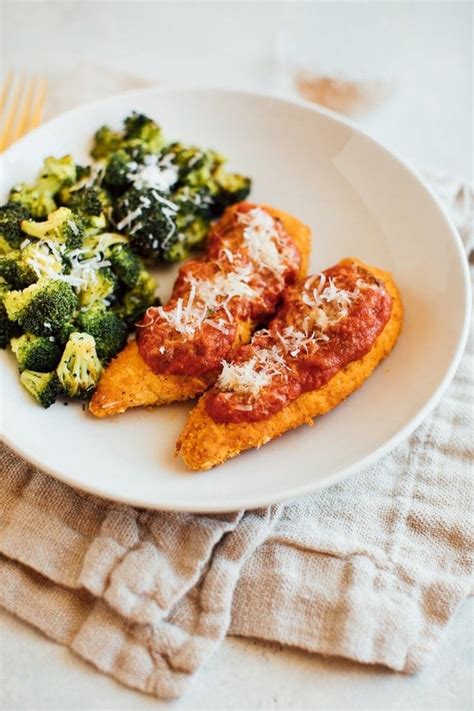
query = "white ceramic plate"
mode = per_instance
[{"x": 359, "y": 201}]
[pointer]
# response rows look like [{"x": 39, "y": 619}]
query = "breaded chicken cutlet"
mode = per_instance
[
  {"x": 253, "y": 253},
  {"x": 330, "y": 335}
]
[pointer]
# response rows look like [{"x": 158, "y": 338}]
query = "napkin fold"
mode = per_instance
[{"x": 371, "y": 569}]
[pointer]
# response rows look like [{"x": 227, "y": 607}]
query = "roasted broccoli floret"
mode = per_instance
[
  {"x": 203, "y": 175},
  {"x": 149, "y": 219},
  {"x": 44, "y": 387},
  {"x": 106, "y": 142},
  {"x": 83, "y": 172},
  {"x": 39, "y": 199},
  {"x": 8, "y": 328},
  {"x": 79, "y": 368},
  {"x": 84, "y": 179},
  {"x": 109, "y": 332},
  {"x": 63, "y": 333},
  {"x": 42, "y": 308},
  {"x": 36, "y": 352},
  {"x": 100, "y": 244},
  {"x": 11, "y": 216},
  {"x": 100, "y": 288},
  {"x": 63, "y": 169},
  {"x": 141, "y": 130},
  {"x": 192, "y": 232},
  {"x": 62, "y": 226},
  {"x": 195, "y": 201},
  {"x": 119, "y": 167},
  {"x": 232, "y": 188},
  {"x": 134, "y": 166},
  {"x": 44, "y": 258},
  {"x": 16, "y": 271},
  {"x": 178, "y": 251},
  {"x": 125, "y": 264},
  {"x": 185, "y": 158},
  {"x": 88, "y": 201},
  {"x": 89, "y": 204},
  {"x": 135, "y": 302}
]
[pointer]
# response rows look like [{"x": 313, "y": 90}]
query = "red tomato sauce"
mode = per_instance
[
  {"x": 302, "y": 349},
  {"x": 198, "y": 327}
]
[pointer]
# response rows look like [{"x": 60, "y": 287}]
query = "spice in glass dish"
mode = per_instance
[{"x": 342, "y": 95}]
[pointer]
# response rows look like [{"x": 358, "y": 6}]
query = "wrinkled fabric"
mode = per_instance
[{"x": 371, "y": 569}]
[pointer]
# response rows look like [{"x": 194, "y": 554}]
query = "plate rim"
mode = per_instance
[{"x": 290, "y": 492}]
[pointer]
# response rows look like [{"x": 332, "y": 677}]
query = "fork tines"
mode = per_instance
[{"x": 21, "y": 106}]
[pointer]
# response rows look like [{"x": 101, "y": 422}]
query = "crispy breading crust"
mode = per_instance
[
  {"x": 205, "y": 443},
  {"x": 129, "y": 382}
]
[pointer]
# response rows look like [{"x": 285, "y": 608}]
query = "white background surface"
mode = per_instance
[{"x": 426, "y": 49}]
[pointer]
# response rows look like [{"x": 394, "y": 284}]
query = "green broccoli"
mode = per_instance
[
  {"x": 79, "y": 368},
  {"x": 185, "y": 158},
  {"x": 178, "y": 251},
  {"x": 11, "y": 217},
  {"x": 99, "y": 289},
  {"x": 63, "y": 169},
  {"x": 119, "y": 167},
  {"x": 203, "y": 174},
  {"x": 135, "y": 302},
  {"x": 16, "y": 271},
  {"x": 44, "y": 258},
  {"x": 63, "y": 333},
  {"x": 62, "y": 226},
  {"x": 36, "y": 352},
  {"x": 125, "y": 264},
  {"x": 8, "y": 328},
  {"x": 42, "y": 308},
  {"x": 109, "y": 332},
  {"x": 106, "y": 142},
  {"x": 192, "y": 232},
  {"x": 95, "y": 244},
  {"x": 195, "y": 200},
  {"x": 90, "y": 205},
  {"x": 149, "y": 219},
  {"x": 84, "y": 179},
  {"x": 88, "y": 201},
  {"x": 39, "y": 199},
  {"x": 44, "y": 387},
  {"x": 83, "y": 172},
  {"x": 141, "y": 130},
  {"x": 220, "y": 187},
  {"x": 232, "y": 188}
]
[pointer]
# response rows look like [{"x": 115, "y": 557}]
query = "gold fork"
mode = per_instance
[{"x": 21, "y": 106}]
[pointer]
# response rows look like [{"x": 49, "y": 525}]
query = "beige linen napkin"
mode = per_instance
[{"x": 371, "y": 569}]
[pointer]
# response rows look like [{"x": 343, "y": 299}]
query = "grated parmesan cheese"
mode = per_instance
[
  {"x": 205, "y": 297},
  {"x": 260, "y": 236},
  {"x": 157, "y": 173},
  {"x": 250, "y": 377},
  {"x": 328, "y": 305},
  {"x": 129, "y": 218}
]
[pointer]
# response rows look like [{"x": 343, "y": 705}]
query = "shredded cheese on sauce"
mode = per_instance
[
  {"x": 328, "y": 304},
  {"x": 261, "y": 236},
  {"x": 252, "y": 375},
  {"x": 205, "y": 297},
  {"x": 321, "y": 296}
]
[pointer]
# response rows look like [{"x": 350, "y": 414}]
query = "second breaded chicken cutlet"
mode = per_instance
[{"x": 332, "y": 332}]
